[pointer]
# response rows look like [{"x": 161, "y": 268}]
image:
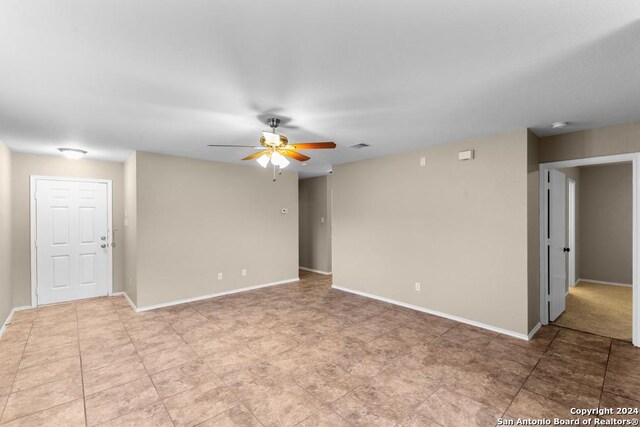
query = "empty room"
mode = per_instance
[{"x": 321, "y": 213}]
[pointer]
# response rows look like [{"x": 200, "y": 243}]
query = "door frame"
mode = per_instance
[
  {"x": 571, "y": 214},
  {"x": 33, "y": 179},
  {"x": 634, "y": 159}
]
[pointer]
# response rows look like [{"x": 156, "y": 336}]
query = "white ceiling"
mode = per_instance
[{"x": 172, "y": 76}]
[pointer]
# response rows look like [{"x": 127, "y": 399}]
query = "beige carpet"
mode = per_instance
[{"x": 599, "y": 309}]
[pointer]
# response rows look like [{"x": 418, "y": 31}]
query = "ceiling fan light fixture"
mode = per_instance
[
  {"x": 263, "y": 160},
  {"x": 271, "y": 138},
  {"x": 278, "y": 159}
]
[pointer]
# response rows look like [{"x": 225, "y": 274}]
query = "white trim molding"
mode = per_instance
[
  {"x": 326, "y": 273},
  {"x": 525, "y": 337},
  {"x": 602, "y": 282},
  {"x": 634, "y": 159},
  {"x": 33, "y": 227},
  {"x": 534, "y": 331},
  {"x": 202, "y": 297},
  {"x": 7, "y": 322}
]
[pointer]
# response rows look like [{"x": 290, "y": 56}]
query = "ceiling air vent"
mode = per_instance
[{"x": 358, "y": 146}]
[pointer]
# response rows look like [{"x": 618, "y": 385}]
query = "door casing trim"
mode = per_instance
[
  {"x": 33, "y": 179},
  {"x": 634, "y": 159}
]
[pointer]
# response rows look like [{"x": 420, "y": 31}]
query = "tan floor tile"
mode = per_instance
[
  {"x": 504, "y": 350},
  {"x": 200, "y": 403},
  {"x": 626, "y": 350},
  {"x": 120, "y": 400},
  {"x": 591, "y": 375},
  {"x": 622, "y": 385},
  {"x": 325, "y": 417},
  {"x": 203, "y": 330},
  {"x": 152, "y": 416},
  {"x": 49, "y": 372},
  {"x": 407, "y": 386},
  {"x": 609, "y": 400},
  {"x": 36, "y": 399},
  {"x": 584, "y": 340},
  {"x": 532, "y": 405},
  {"x": 157, "y": 343},
  {"x": 99, "y": 359},
  {"x": 48, "y": 355},
  {"x": 166, "y": 359},
  {"x": 68, "y": 414},
  {"x": 238, "y": 416},
  {"x": 623, "y": 365},
  {"x": 6, "y": 381},
  {"x": 450, "y": 409},
  {"x": 182, "y": 378},
  {"x": 327, "y": 382},
  {"x": 236, "y": 357},
  {"x": 562, "y": 390},
  {"x": 112, "y": 375},
  {"x": 284, "y": 405},
  {"x": 575, "y": 352},
  {"x": 369, "y": 406}
]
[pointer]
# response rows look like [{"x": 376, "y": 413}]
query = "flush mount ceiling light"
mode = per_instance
[
  {"x": 72, "y": 153},
  {"x": 559, "y": 125}
]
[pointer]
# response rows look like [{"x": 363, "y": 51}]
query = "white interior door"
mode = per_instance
[
  {"x": 556, "y": 244},
  {"x": 72, "y": 247}
]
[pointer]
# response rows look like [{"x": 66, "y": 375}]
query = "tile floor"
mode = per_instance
[{"x": 298, "y": 354}]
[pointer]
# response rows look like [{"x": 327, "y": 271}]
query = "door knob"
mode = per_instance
[
  {"x": 104, "y": 245},
  {"x": 566, "y": 250}
]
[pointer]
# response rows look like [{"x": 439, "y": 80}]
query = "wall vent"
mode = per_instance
[{"x": 358, "y": 146}]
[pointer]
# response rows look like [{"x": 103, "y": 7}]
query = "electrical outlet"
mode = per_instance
[
  {"x": 219, "y": 276},
  {"x": 244, "y": 271},
  {"x": 418, "y": 286},
  {"x": 423, "y": 161}
]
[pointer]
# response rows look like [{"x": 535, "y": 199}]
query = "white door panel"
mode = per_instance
[
  {"x": 71, "y": 228},
  {"x": 556, "y": 245}
]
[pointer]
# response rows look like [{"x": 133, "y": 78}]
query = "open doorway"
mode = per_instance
[
  {"x": 588, "y": 246},
  {"x": 315, "y": 197}
]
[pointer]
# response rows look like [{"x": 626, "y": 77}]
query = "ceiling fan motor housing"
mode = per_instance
[{"x": 273, "y": 122}]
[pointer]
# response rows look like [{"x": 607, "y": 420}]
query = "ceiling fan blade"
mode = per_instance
[
  {"x": 255, "y": 155},
  {"x": 295, "y": 155},
  {"x": 233, "y": 146},
  {"x": 312, "y": 145}
]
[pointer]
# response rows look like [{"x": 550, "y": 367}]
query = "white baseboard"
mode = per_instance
[
  {"x": 601, "y": 282},
  {"x": 326, "y": 273},
  {"x": 534, "y": 331},
  {"x": 10, "y": 316},
  {"x": 199, "y": 298},
  {"x": 439, "y": 314}
]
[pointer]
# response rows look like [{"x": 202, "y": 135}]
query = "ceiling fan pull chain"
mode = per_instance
[{"x": 274, "y": 173}]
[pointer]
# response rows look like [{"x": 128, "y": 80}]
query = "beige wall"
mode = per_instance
[
  {"x": 461, "y": 229},
  {"x": 196, "y": 218},
  {"x": 604, "y": 141},
  {"x": 533, "y": 233},
  {"x": 606, "y": 223},
  {"x": 130, "y": 228},
  {"x": 25, "y": 165},
  {"x": 315, "y": 236},
  {"x": 6, "y": 290}
]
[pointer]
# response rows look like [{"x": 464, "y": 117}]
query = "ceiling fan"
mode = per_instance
[{"x": 277, "y": 148}]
